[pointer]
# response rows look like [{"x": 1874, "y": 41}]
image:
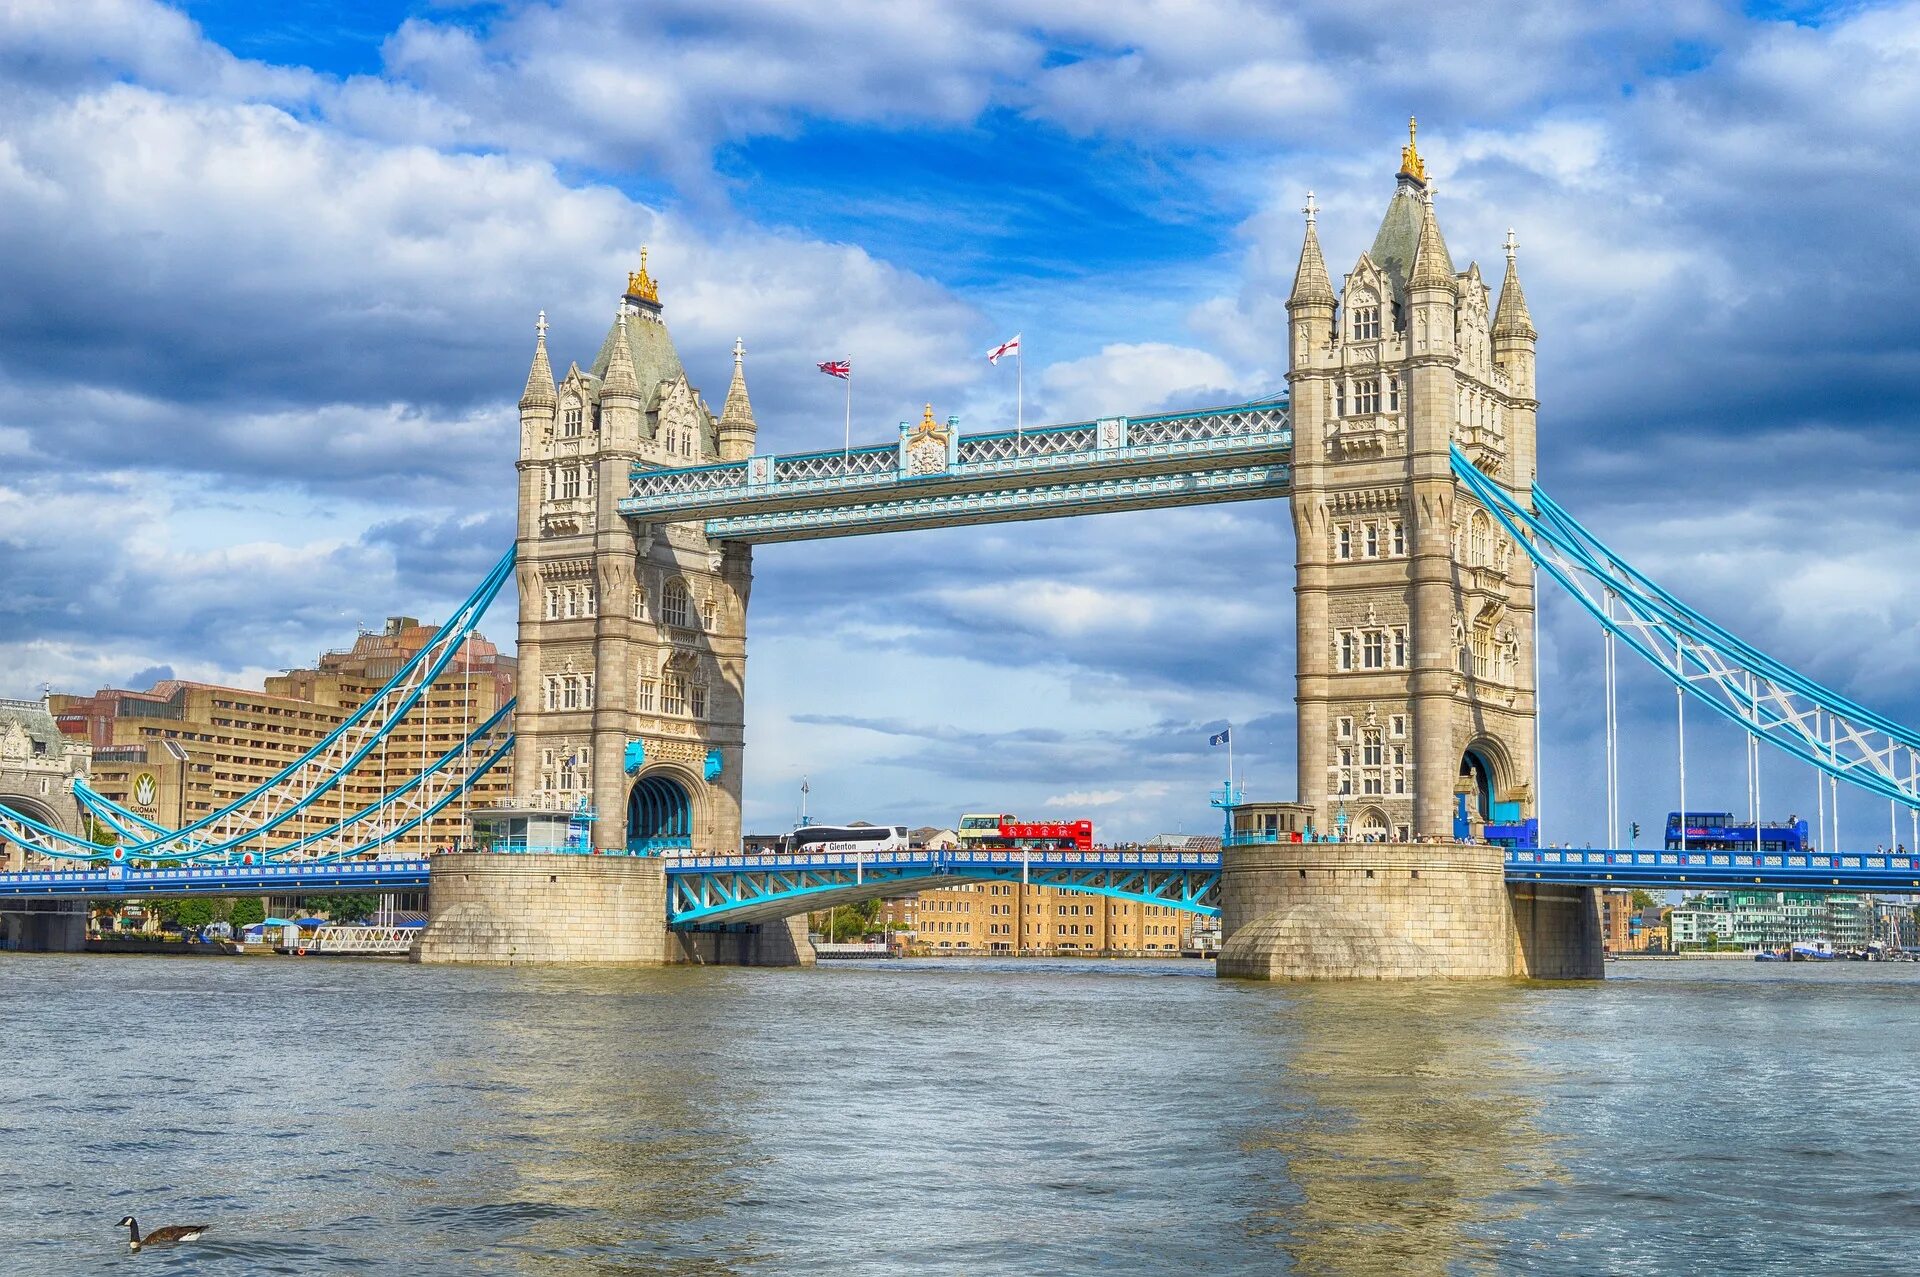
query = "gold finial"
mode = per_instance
[
  {"x": 927, "y": 423},
  {"x": 640, "y": 285},
  {"x": 1410, "y": 163}
]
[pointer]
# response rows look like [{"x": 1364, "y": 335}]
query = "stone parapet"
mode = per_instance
[{"x": 1395, "y": 911}]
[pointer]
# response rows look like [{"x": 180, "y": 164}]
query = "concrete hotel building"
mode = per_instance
[
  {"x": 1008, "y": 917},
  {"x": 180, "y": 750}
]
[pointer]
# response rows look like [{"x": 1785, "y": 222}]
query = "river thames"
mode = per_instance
[{"x": 955, "y": 1117}]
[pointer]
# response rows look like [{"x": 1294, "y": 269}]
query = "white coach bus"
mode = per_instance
[{"x": 812, "y": 839}]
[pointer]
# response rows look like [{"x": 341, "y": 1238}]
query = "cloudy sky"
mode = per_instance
[{"x": 270, "y": 291}]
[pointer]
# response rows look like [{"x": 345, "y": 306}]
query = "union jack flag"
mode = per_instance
[{"x": 842, "y": 368}]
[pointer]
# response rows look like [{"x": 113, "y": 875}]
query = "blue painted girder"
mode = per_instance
[
  {"x": 715, "y": 890},
  {"x": 1695, "y": 870},
  {"x": 224, "y": 880}
]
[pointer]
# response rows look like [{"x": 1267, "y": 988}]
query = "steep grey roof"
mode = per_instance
[
  {"x": 650, "y": 347},
  {"x": 1399, "y": 238},
  {"x": 33, "y": 718}
]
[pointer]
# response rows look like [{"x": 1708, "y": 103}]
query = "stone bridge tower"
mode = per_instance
[
  {"x": 1416, "y": 671},
  {"x": 632, "y": 638}
]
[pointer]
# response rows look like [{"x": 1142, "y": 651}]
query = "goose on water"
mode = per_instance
[{"x": 171, "y": 1235}]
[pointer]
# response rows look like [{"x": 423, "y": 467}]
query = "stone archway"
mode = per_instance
[
  {"x": 1372, "y": 826},
  {"x": 659, "y": 815}
]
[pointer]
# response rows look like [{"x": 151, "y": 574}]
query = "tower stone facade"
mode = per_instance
[
  {"x": 1416, "y": 673},
  {"x": 632, "y": 637}
]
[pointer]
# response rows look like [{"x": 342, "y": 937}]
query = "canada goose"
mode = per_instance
[{"x": 171, "y": 1235}]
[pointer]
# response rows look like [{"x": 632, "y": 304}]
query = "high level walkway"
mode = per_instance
[{"x": 934, "y": 476}]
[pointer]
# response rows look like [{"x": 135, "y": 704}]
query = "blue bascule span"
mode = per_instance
[
  {"x": 716, "y": 890},
  {"x": 300, "y": 878},
  {"x": 239, "y": 832},
  {"x": 934, "y": 476},
  {"x": 1701, "y": 870},
  {"x": 1739, "y": 683}
]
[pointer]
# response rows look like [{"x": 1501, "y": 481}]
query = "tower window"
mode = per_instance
[
  {"x": 1340, "y": 398},
  {"x": 1373, "y": 540},
  {"x": 1346, "y": 541},
  {"x": 1366, "y": 396},
  {"x": 1366, "y": 323},
  {"x": 1399, "y": 537},
  {"x": 569, "y": 483},
  {"x": 1346, "y": 651},
  {"x": 643, "y": 699},
  {"x": 1375, "y": 649},
  {"x": 1400, "y": 649},
  {"x": 706, "y": 613},
  {"x": 571, "y": 419},
  {"x": 676, "y": 608}
]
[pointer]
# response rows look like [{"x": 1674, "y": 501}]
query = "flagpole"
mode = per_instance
[
  {"x": 1019, "y": 394},
  {"x": 846, "y": 445},
  {"x": 1230, "y": 794}
]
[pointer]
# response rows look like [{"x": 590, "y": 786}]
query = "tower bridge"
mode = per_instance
[{"x": 1405, "y": 447}]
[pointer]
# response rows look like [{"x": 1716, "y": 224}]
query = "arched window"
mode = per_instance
[
  {"x": 571, "y": 419},
  {"x": 1366, "y": 317},
  {"x": 1373, "y": 540},
  {"x": 1477, "y": 538},
  {"x": 676, "y": 607},
  {"x": 1399, "y": 537},
  {"x": 706, "y": 612},
  {"x": 1346, "y": 541}
]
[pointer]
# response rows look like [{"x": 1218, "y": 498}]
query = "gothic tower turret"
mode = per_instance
[
  {"x": 1415, "y": 681},
  {"x": 632, "y": 636},
  {"x": 737, "y": 428}
]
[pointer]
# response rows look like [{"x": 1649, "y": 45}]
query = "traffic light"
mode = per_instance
[{"x": 1633, "y": 830}]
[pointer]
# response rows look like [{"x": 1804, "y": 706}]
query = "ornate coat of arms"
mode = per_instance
[{"x": 926, "y": 445}]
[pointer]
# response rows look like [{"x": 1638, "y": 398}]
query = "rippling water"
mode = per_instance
[{"x": 954, "y": 1117}]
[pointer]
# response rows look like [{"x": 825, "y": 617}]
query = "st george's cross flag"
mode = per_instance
[
  {"x": 1221, "y": 737},
  {"x": 842, "y": 368},
  {"x": 1010, "y": 347}
]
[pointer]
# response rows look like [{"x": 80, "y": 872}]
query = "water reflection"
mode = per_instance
[
  {"x": 1408, "y": 1126},
  {"x": 608, "y": 1128}
]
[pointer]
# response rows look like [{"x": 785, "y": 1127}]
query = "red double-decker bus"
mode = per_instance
[{"x": 1043, "y": 835}]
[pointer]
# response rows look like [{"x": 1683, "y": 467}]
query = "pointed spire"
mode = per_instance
[
  {"x": 1311, "y": 284},
  {"x": 619, "y": 379},
  {"x": 1510, "y": 318},
  {"x": 737, "y": 409},
  {"x": 1432, "y": 266},
  {"x": 539, "y": 392}
]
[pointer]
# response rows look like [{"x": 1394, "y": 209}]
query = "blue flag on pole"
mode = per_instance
[{"x": 1221, "y": 738}]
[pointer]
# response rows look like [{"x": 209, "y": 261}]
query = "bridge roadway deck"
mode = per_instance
[{"x": 728, "y": 889}]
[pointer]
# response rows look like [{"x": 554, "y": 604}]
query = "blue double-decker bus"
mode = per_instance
[{"x": 1718, "y": 831}]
